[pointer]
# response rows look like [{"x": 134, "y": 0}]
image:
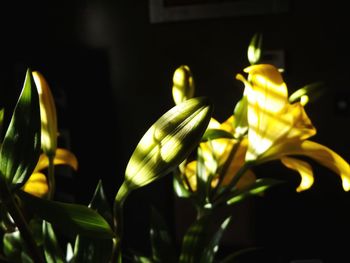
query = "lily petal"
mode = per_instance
[
  {"x": 62, "y": 156},
  {"x": 318, "y": 152},
  {"x": 303, "y": 168},
  {"x": 37, "y": 185}
]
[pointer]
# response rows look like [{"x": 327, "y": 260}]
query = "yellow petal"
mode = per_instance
[
  {"x": 36, "y": 185},
  {"x": 62, "y": 156},
  {"x": 271, "y": 118},
  {"x": 303, "y": 168},
  {"x": 320, "y": 153},
  {"x": 237, "y": 162},
  {"x": 190, "y": 173}
]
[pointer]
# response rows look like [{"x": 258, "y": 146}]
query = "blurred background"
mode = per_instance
[{"x": 110, "y": 65}]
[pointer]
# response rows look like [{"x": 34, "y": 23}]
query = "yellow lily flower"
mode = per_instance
[
  {"x": 278, "y": 129},
  {"x": 215, "y": 154},
  {"x": 37, "y": 183}
]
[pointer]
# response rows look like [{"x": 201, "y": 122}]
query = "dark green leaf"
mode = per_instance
[
  {"x": 259, "y": 186},
  {"x": 213, "y": 246},
  {"x": 163, "y": 248},
  {"x": 1, "y": 121},
  {"x": 200, "y": 240},
  {"x": 141, "y": 259},
  {"x": 89, "y": 249},
  {"x": 14, "y": 248},
  {"x": 70, "y": 218},
  {"x": 21, "y": 146},
  {"x": 234, "y": 257},
  {"x": 166, "y": 144},
  {"x": 212, "y": 134},
  {"x": 52, "y": 251}
]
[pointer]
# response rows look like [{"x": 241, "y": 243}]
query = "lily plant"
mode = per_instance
[{"x": 211, "y": 162}]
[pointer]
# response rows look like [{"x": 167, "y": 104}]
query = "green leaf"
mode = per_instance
[
  {"x": 70, "y": 218},
  {"x": 52, "y": 251},
  {"x": 179, "y": 188},
  {"x": 213, "y": 246},
  {"x": 14, "y": 248},
  {"x": 21, "y": 146},
  {"x": 259, "y": 186},
  {"x": 313, "y": 91},
  {"x": 163, "y": 248},
  {"x": 254, "y": 49},
  {"x": 234, "y": 257},
  {"x": 141, "y": 259},
  {"x": 166, "y": 144},
  {"x": 200, "y": 240},
  {"x": 89, "y": 249},
  {"x": 241, "y": 117},
  {"x": 212, "y": 134}
]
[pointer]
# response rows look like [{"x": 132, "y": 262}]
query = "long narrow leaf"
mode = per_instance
[
  {"x": 70, "y": 218},
  {"x": 21, "y": 146},
  {"x": 163, "y": 248},
  {"x": 52, "y": 251},
  {"x": 89, "y": 249},
  {"x": 213, "y": 246}
]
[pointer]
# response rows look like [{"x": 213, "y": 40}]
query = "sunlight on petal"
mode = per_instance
[
  {"x": 36, "y": 185},
  {"x": 63, "y": 156},
  {"x": 303, "y": 168}
]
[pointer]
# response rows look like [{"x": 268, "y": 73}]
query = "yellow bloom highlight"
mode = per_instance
[
  {"x": 47, "y": 113},
  {"x": 215, "y": 154},
  {"x": 278, "y": 129},
  {"x": 37, "y": 183}
]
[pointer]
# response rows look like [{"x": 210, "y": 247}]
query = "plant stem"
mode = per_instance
[
  {"x": 18, "y": 218},
  {"x": 51, "y": 177}
]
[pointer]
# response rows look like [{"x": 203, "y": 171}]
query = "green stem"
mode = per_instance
[
  {"x": 118, "y": 207},
  {"x": 222, "y": 197},
  {"x": 51, "y": 177},
  {"x": 22, "y": 225}
]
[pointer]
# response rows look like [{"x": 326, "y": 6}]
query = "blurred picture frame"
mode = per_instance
[{"x": 180, "y": 10}]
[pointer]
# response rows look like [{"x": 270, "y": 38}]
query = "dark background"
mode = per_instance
[{"x": 110, "y": 70}]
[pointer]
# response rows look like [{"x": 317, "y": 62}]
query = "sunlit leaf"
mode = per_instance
[
  {"x": 89, "y": 249},
  {"x": 212, "y": 134},
  {"x": 69, "y": 218},
  {"x": 260, "y": 186},
  {"x": 52, "y": 250},
  {"x": 313, "y": 91},
  {"x": 163, "y": 248},
  {"x": 21, "y": 146},
  {"x": 166, "y": 144},
  {"x": 179, "y": 188}
]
